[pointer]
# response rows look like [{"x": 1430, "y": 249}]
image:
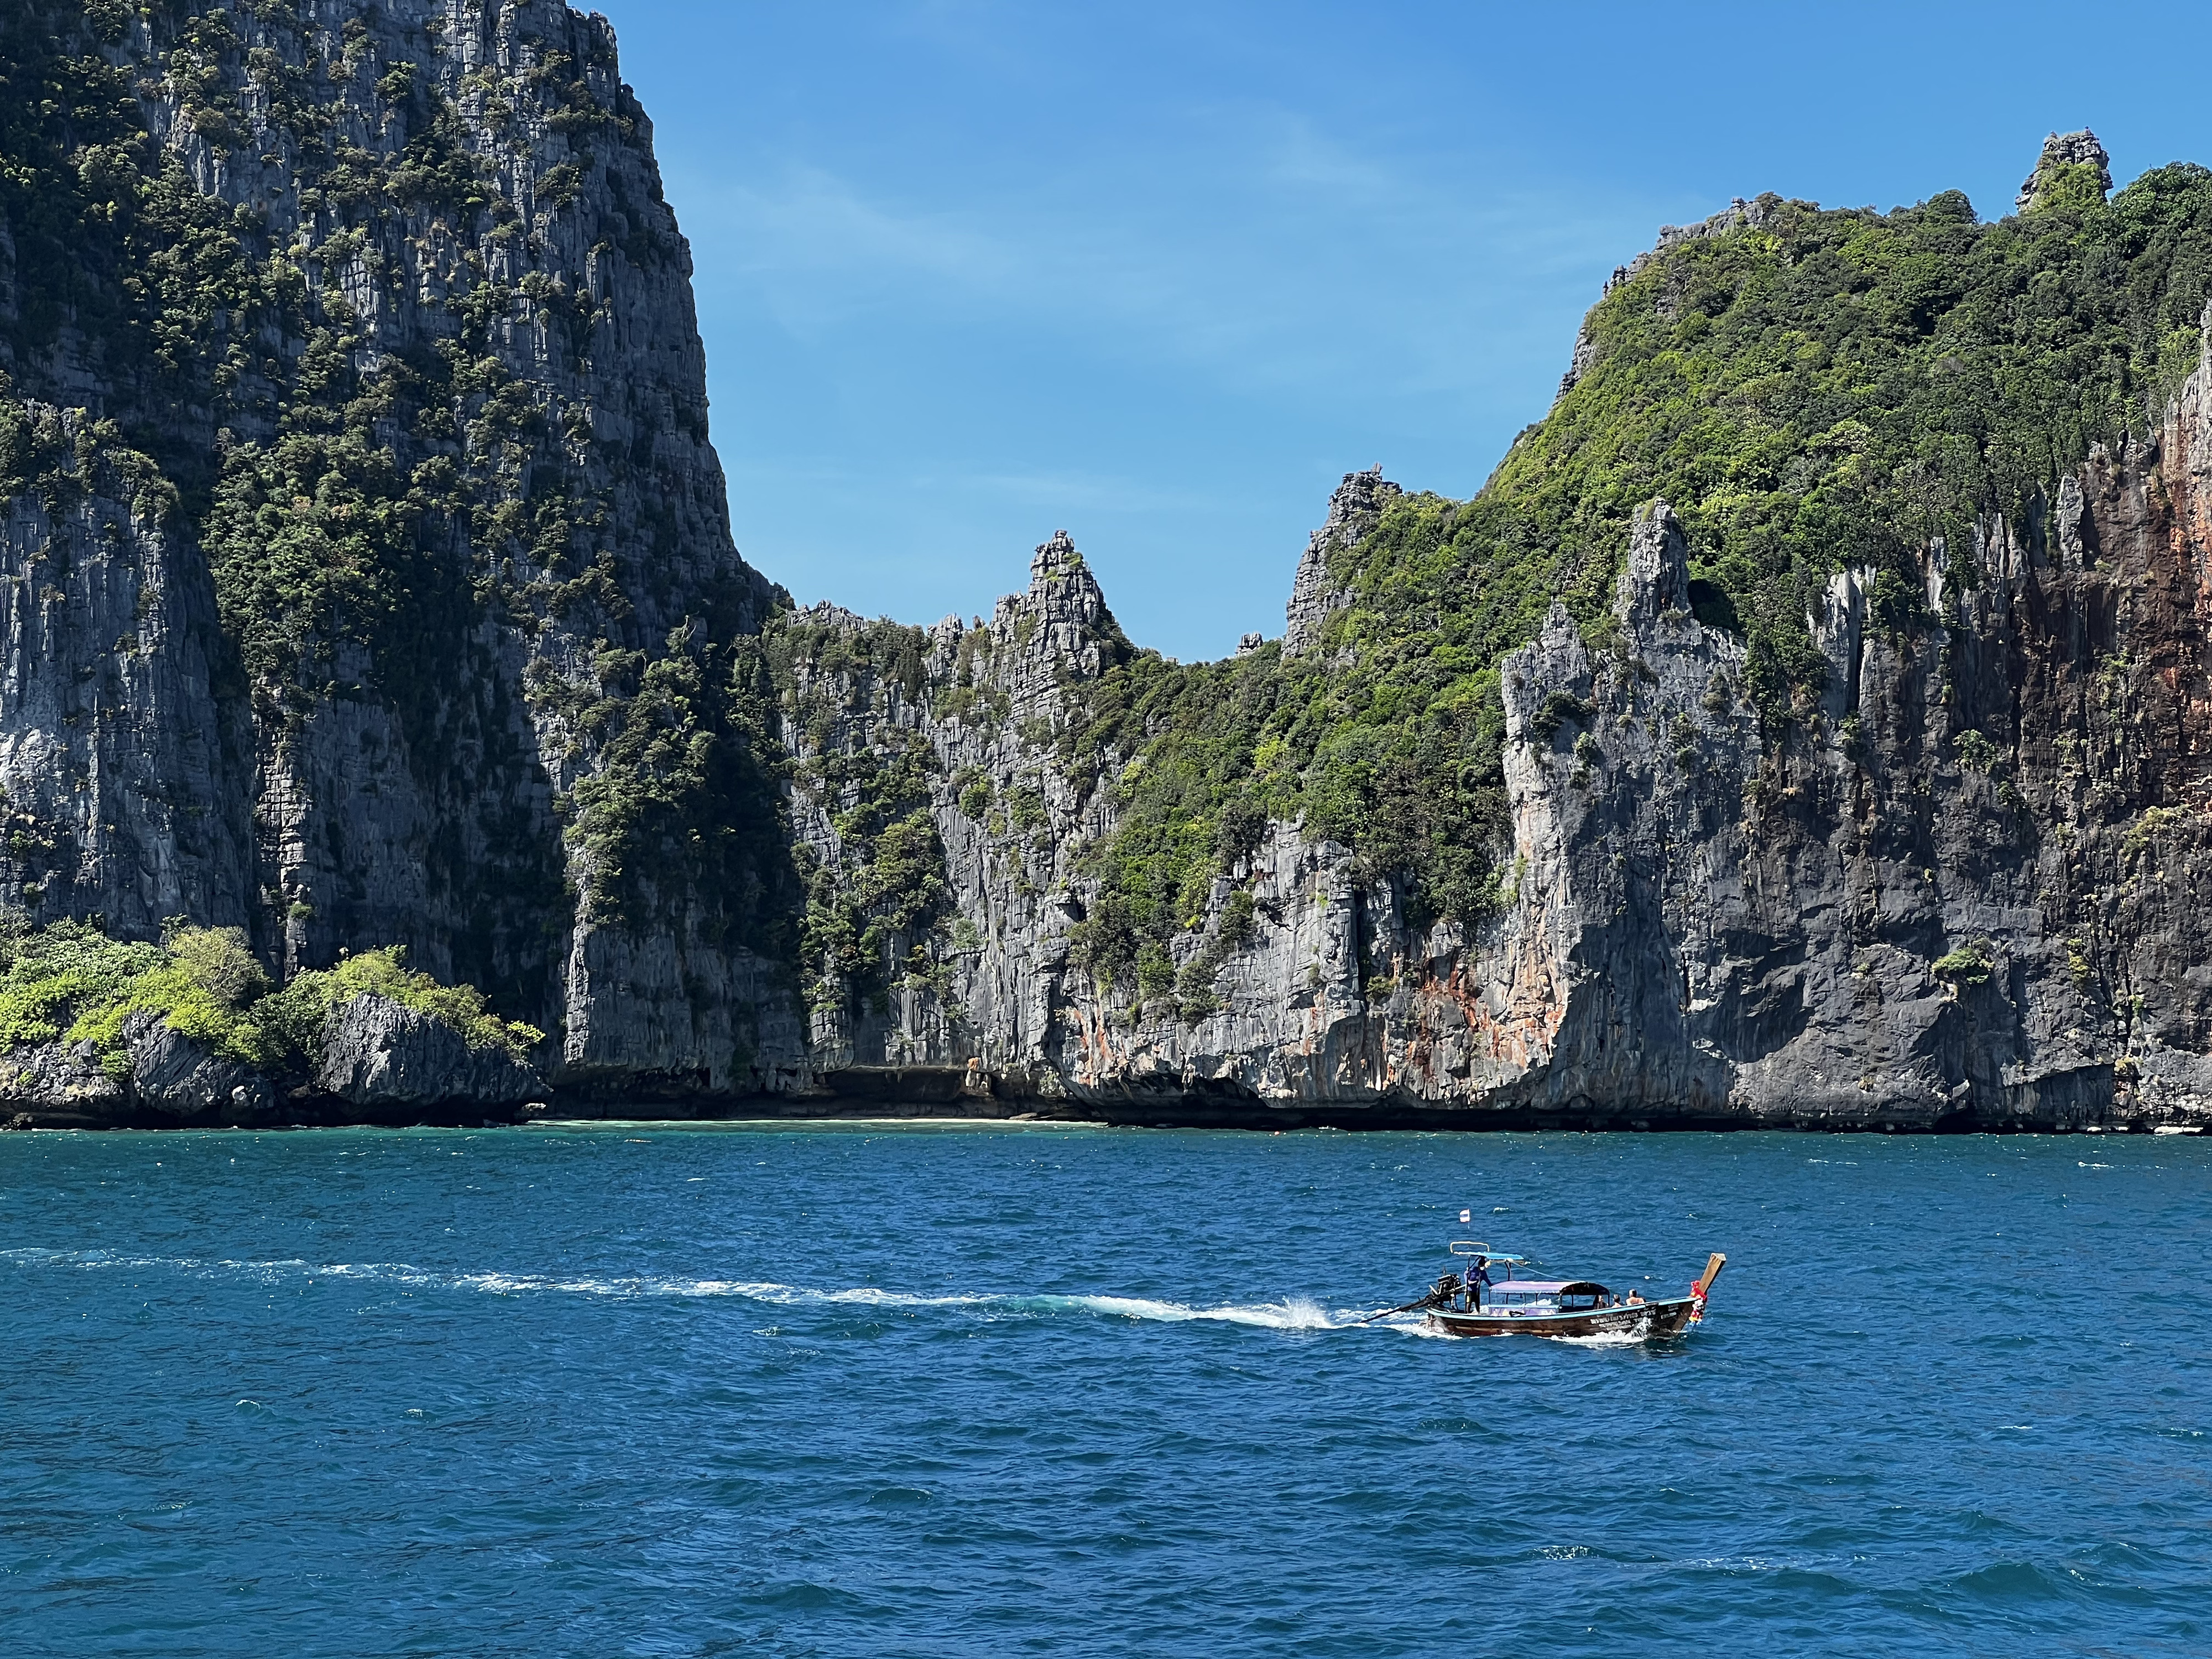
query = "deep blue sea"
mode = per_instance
[{"x": 862, "y": 1389}]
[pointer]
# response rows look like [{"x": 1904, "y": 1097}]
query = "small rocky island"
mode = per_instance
[{"x": 1804, "y": 726}]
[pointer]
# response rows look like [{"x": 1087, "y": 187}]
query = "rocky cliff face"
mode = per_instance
[
  {"x": 362, "y": 537},
  {"x": 125, "y": 778},
  {"x": 366, "y": 579},
  {"x": 2064, "y": 153},
  {"x": 1353, "y": 512},
  {"x": 1962, "y": 891}
]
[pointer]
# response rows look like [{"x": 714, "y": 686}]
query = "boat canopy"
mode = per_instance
[
  {"x": 1584, "y": 1287},
  {"x": 1470, "y": 1247},
  {"x": 1533, "y": 1286}
]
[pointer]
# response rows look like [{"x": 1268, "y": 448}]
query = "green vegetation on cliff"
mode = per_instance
[
  {"x": 868, "y": 913},
  {"x": 365, "y": 391},
  {"x": 327, "y": 385},
  {"x": 111, "y": 240},
  {"x": 69, "y": 982},
  {"x": 295, "y": 1016},
  {"x": 1810, "y": 389},
  {"x": 689, "y": 780}
]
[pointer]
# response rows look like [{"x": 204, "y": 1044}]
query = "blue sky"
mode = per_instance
[{"x": 1160, "y": 274}]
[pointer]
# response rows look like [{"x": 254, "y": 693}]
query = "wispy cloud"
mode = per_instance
[
  {"x": 1294, "y": 258},
  {"x": 808, "y": 224}
]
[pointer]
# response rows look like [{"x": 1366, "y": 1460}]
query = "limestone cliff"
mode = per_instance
[
  {"x": 363, "y": 537},
  {"x": 367, "y": 580},
  {"x": 1894, "y": 815},
  {"x": 1964, "y": 896}
]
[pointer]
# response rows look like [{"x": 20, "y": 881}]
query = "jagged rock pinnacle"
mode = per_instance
[
  {"x": 1656, "y": 577},
  {"x": 1354, "y": 511},
  {"x": 2064, "y": 149}
]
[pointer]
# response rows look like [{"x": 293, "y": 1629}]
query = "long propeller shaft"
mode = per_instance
[{"x": 1428, "y": 1301}]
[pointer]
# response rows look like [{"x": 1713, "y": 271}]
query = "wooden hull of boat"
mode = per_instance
[{"x": 1648, "y": 1322}]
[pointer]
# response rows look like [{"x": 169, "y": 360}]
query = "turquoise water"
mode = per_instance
[{"x": 854, "y": 1390}]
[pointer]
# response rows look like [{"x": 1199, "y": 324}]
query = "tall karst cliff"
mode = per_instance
[
  {"x": 1807, "y": 723},
  {"x": 1866, "y": 783},
  {"x": 368, "y": 573}
]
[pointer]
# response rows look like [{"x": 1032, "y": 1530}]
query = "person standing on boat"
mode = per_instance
[{"x": 1477, "y": 1275}]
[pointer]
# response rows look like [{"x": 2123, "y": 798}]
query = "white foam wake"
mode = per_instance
[
  {"x": 1290, "y": 1314},
  {"x": 1604, "y": 1339}
]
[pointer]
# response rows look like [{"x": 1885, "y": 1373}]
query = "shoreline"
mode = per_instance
[{"x": 1188, "y": 1113}]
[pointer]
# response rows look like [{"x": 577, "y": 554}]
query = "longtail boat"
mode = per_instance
[{"x": 1472, "y": 1304}]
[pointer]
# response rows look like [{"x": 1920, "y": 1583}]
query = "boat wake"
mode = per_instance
[
  {"x": 1605, "y": 1339},
  {"x": 1290, "y": 1314}
]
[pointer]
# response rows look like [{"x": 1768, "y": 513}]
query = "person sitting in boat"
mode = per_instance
[{"x": 1635, "y": 1299}]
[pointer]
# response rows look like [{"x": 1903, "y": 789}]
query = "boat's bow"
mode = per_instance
[{"x": 1703, "y": 1285}]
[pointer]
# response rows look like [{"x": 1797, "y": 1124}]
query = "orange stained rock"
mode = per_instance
[{"x": 1535, "y": 1008}]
